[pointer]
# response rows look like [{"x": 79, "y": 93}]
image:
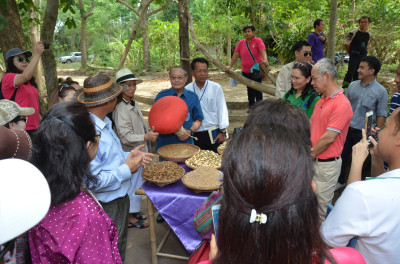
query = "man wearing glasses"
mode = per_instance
[
  {"x": 212, "y": 131},
  {"x": 302, "y": 53}
]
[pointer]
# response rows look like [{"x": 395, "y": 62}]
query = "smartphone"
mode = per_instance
[
  {"x": 368, "y": 124},
  {"x": 215, "y": 216}
]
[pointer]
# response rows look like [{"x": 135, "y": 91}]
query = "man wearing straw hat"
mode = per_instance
[{"x": 114, "y": 168}]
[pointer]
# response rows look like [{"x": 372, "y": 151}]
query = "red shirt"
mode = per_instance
[
  {"x": 333, "y": 113},
  {"x": 256, "y": 44},
  {"x": 27, "y": 96}
]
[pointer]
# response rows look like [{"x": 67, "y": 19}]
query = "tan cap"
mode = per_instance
[{"x": 10, "y": 110}]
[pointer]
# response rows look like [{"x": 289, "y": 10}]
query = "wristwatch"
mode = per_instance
[{"x": 191, "y": 132}]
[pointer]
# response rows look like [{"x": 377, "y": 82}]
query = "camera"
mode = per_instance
[{"x": 46, "y": 45}]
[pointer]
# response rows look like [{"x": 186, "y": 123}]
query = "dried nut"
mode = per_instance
[{"x": 205, "y": 158}]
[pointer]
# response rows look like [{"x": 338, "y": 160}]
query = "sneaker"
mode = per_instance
[{"x": 339, "y": 186}]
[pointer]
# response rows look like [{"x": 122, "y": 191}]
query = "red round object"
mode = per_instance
[{"x": 168, "y": 114}]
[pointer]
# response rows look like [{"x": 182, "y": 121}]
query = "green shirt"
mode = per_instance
[{"x": 302, "y": 103}]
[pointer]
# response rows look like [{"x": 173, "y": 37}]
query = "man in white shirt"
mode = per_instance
[
  {"x": 369, "y": 209},
  {"x": 213, "y": 105},
  {"x": 302, "y": 53}
]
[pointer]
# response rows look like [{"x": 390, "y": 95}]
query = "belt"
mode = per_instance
[
  {"x": 354, "y": 129},
  {"x": 327, "y": 160},
  {"x": 201, "y": 132}
]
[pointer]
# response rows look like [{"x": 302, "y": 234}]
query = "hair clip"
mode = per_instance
[{"x": 261, "y": 218}]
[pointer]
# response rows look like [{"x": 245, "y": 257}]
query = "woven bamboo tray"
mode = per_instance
[
  {"x": 202, "y": 155},
  {"x": 178, "y": 152},
  {"x": 163, "y": 173},
  {"x": 203, "y": 179}
]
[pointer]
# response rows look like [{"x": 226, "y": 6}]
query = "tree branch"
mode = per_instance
[
  {"x": 255, "y": 85},
  {"x": 129, "y": 6},
  {"x": 160, "y": 9}
]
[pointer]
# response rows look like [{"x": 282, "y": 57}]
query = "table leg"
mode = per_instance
[{"x": 152, "y": 230}]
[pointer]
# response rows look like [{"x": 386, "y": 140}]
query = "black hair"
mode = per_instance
[
  {"x": 198, "y": 59},
  {"x": 15, "y": 120},
  {"x": 61, "y": 91},
  {"x": 60, "y": 150},
  {"x": 249, "y": 26},
  {"x": 373, "y": 63},
  {"x": 299, "y": 45},
  {"x": 266, "y": 168},
  {"x": 10, "y": 67},
  {"x": 365, "y": 17},
  {"x": 305, "y": 69},
  {"x": 317, "y": 22},
  {"x": 283, "y": 113}
]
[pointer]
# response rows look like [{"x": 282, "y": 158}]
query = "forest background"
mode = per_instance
[{"x": 146, "y": 33}]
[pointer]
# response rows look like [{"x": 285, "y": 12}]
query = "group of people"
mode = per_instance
[{"x": 93, "y": 143}]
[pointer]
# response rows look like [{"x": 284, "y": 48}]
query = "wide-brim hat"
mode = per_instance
[
  {"x": 125, "y": 75},
  {"x": 24, "y": 198},
  {"x": 16, "y": 51},
  {"x": 98, "y": 89},
  {"x": 15, "y": 144},
  {"x": 10, "y": 110}
]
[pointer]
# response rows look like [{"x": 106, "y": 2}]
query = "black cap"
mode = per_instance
[{"x": 15, "y": 51}]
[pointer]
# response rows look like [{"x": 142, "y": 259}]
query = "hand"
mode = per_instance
[
  {"x": 138, "y": 158},
  {"x": 265, "y": 62},
  {"x": 183, "y": 134},
  {"x": 322, "y": 38},
  {"x": 220, "y": 138},
  {"x": 151, "y": 135},
  {"x": 213, "y": 248},
  {"x": 228, "y": 67},
  {"x": 39, "y": 48},
  {"x": 373, "y": 149},
  {"x": 360, "y": 150}
]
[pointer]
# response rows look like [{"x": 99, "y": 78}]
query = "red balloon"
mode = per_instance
[{"x": 168, "y": 114}]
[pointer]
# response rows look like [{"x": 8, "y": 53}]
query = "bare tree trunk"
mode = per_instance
[
  {"x": 184, "y": 37},
  {"x": 72, "y": 40},
  {"x": 255, "y": 85},
  {"x": 12, "y": 35},
  {"x": 84, "y": 17},
  {"x": 332, "y": 30},
  {"x": 145, "y": 6},
  {"x": 228, "y": 37},
  {"x": 47, "y": 35},
  {"x": 146, "y": 41},
  {"x": 34, "y": 38}
]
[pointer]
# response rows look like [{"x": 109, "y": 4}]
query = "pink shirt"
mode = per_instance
[
  {"x": 256, "y": 45},
  {"x": 78, "y": 231},
  {"x": 333, "y": 113},
  {"x": 27, "y": 96}
]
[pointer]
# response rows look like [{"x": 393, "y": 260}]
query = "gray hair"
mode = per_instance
[
  {"x": 177, "y": 67},
  {"x": 326, "y": 65}
]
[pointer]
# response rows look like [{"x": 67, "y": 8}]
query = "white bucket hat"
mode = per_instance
[
  {"x": 125, "y": 75},
  {"x": 24, "y": 198}
]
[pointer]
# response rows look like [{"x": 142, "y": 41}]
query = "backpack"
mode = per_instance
[{"x": 310, "y": 100}]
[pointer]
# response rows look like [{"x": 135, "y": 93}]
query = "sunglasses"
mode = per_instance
[
  {"x": 64, "y": 85},
  {"x": 307, "y": 54},
  {"x": 21, "y": 59}
]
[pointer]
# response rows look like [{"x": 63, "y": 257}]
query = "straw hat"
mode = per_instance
[
  {"x": 10, "y": 110},
  {"x": 98, "y": 89},
  {"x": 15, "y": 144},
  {"x": 125, "y": 75},
  {"x": 24, "y": 198}
]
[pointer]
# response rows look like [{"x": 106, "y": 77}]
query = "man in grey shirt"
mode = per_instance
[{"x": 364, "y": 95}]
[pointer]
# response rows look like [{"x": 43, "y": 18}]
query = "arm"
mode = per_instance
[
  {"x": 27, "y": 74},
  {"x": 283, "y": 82},
  {"x": 235, "y": 56},
  {"x": 324, "y": 142},
  {"x": 223, "y": 116},
  {"x": 265, "y": 57},
  {"x": 347, "y": 48},
  {"x": 125, "y": 125}
]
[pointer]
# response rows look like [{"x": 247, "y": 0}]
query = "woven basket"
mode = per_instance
[
  {"x": 201, "y": 153},
  {"x": 203, "y": 179},
  {"x": 150, "y": 173},
  {"x": 222, "y": 147},
  {"x": 178, "y": 152}
]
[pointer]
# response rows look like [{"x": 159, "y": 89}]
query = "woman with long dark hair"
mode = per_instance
[
  {"x": 18, "y": 83},
  {"x": 76, "y": 228},
  {"x": 302, "y": 93},
  {"x": 64, "y": 92},
  {"x": 269, "y": 212}
]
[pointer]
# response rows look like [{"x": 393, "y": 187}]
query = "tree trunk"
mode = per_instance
[
  {"x": 12, "y": 35},
  {"x": 47, "y": 35},
  {"x": 228, "y": 37},
  {"x": 34, "y": 38},
  {"x": 332, "y": 30},
  {"x": 184, "y": 38},
  {"x": 145, "y": 6},
  {"x": 83, "y": 42},
  {"x": 146, "y": 41}
]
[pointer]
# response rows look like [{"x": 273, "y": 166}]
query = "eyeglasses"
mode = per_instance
[
  {"x": 307, "y": 54},
  {"x": 177, "y": 78},
  {"x": 99, "y": 134},
  {"x": 21, "y": 59},
  {"x": 202, "y": 71}
]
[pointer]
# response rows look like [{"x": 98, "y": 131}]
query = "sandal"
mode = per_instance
[
  {"x": 139, "y": 216},
  {"x": 139, "y": 224}
]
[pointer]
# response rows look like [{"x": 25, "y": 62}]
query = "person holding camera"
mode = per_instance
[{"x": 18, "y": 83}]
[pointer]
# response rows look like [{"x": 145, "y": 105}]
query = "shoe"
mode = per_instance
[
  {"x": 160, "y": 219},
  {"x": 339, "y": 186},
  {"x": 249, "y": 109},
  {"x": 139, "y": 224},
  {"x": 139, "y": 216}
]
